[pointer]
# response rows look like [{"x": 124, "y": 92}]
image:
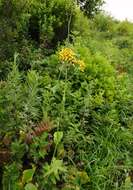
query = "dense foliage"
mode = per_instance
[
  {"x": 90, "y": 7},
  {"x": 66, "y": 98}
]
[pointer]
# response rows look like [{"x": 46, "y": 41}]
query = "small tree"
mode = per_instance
[{"x": 90, "y": 7}]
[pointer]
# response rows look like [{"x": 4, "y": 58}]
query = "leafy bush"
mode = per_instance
[{"x": 125, "y": 28}]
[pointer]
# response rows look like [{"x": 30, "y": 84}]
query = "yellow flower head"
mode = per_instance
[
  {"x": 66, "y": 54},
  {"x": 81, "y": 65}
]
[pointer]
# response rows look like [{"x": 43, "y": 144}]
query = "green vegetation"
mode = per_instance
[
  {"x": 90, "y": 7},
  {"x": 66, "y": 98}
]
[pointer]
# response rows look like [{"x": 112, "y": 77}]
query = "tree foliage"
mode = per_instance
[{"x": 90, "y": 7}]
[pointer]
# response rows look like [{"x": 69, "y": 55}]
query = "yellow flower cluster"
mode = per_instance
[{"x": 67, "y": 55}]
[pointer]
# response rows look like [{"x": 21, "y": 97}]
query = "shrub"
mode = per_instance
[{"x": 125, "y": 28}]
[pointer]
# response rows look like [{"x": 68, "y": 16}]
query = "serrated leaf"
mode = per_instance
[{"x": 55, "y": 168}]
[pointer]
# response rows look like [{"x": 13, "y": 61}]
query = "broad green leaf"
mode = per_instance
[
  {"x": 58, "y": 137},
  {"x": 28, "y": 175},
  {"x": 30, "y": 186}
]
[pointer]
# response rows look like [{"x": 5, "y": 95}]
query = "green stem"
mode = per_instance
[
  {"x": 54, "y": 151},
  {"x": 63, "y": 109}
]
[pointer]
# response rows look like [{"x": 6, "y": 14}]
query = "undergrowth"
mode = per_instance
[{"x": 66, "y": 101}]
